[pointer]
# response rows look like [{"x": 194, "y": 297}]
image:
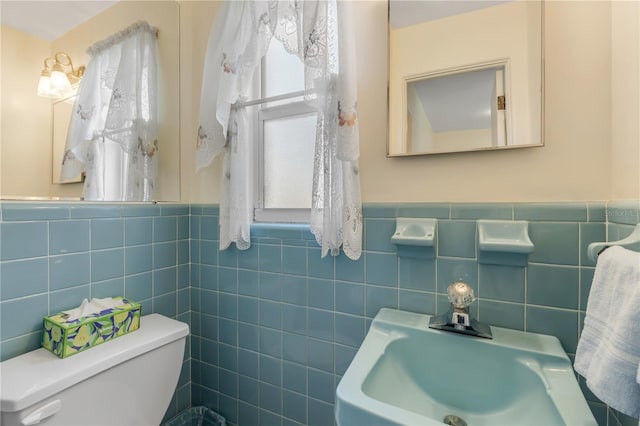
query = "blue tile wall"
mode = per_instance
[
  {"x": 284, "y": 324},
  {"x": 275, "y": 327},
  {"x": 53, "y": 255}
]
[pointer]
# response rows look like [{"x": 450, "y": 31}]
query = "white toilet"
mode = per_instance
[{"x": 127, "y": 381}]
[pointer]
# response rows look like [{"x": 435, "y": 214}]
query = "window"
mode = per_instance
[
  {"x": 284, "y": 131},
  {"x": 280, "y": 123}
]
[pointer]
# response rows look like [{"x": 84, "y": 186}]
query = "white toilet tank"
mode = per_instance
[{"x": 127, "y": 381}]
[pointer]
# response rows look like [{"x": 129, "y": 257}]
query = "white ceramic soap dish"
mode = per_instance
[
  {"x": 504, "y": 242},
  {"x": 416, "y": 237}
]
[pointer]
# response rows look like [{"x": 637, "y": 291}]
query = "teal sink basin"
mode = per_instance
[{"x": 408, "y": 374}]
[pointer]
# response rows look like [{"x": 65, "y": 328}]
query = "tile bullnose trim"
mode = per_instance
[
  {"x": 18, "y": 210},
  {"x": 556, "y": 212},
  {"x": 625, "y": 212},
  {"x": 497, "y": 210},
  {"x": 15, "y": 211}
]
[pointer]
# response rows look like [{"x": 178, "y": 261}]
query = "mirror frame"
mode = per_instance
[{"x": 440, "y": 72}]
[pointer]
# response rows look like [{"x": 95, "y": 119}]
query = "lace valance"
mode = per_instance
[
  {"x": 113, "y": 131},
  {"x": 138, "y": 27},
  {"x": 319, "y": 33}
]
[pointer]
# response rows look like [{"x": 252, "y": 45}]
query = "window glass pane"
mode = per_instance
[
  {"x": 283, "y": 72},
  {"x": 288, "y": 161}
]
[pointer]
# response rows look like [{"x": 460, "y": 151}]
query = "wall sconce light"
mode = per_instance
[{"x": 59, "y": 77}]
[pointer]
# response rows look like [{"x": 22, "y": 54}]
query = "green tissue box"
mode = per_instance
[{"x": 68, "y": 337}]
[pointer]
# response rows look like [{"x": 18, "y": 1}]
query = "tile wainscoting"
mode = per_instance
[
  {"x": 275, "y": 327},
  {"x": 54, "y": 254}
]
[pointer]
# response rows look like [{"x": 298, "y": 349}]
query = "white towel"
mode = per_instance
[{"x": 608, "y": 354}]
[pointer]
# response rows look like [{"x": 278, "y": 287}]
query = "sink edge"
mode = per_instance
[
  {"x": 389, "y": 319},
  {"x": 384, "y": 330}
]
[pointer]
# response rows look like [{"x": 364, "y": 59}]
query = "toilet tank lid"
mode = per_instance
[{"x": 34, "y": 376}]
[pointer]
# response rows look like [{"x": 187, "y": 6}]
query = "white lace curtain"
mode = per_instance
[
  {"x": 319, "y": 33},
  {"x": 113, "y": 131}
]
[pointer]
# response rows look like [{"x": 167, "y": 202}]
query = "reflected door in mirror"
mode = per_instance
[
  {"x": 464, "y": 76},
  {"x": 456, "y": 111}
]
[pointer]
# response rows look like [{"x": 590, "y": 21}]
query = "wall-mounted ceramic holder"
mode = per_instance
[
  {"x": 416, "y": 237},
  {"x": 504, "y": 242},
  {"x": 632, "y": 242}
]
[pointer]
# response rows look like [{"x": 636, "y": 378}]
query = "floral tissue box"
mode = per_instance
[{"x": 65, "y": 337}]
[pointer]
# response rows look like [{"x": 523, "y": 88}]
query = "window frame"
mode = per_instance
[{"x": 262, "y": 113}]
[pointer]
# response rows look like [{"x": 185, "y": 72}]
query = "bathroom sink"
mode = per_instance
[{"x": 408, "y": 374}]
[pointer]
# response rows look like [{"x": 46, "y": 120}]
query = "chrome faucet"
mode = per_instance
[{"x": 458, "y": 319}]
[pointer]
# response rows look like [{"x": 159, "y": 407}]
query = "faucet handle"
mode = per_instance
[{"x": 460, "y": 295}]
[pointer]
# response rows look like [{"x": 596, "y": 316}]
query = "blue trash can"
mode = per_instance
[{"x": 197, "y": 416}]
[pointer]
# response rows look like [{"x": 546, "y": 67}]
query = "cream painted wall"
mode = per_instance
[
  {"x": 625, "y": 100},
  {"x": 25, "y": 135},
  {"x": 584, "y": 108},
  {"x": 574, "y": 164},
  {"x": 577, "y": 125}
]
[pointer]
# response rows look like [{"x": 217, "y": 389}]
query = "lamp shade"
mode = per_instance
[
  {"x": 60, "y": 84},
  {"x": 44, "y": 87},
  {"x": 54, "y": 81}
]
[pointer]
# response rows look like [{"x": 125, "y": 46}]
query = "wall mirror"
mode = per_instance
[
  {"x": 34, "y": 128},
  {"x": 464, "y": 76}
]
